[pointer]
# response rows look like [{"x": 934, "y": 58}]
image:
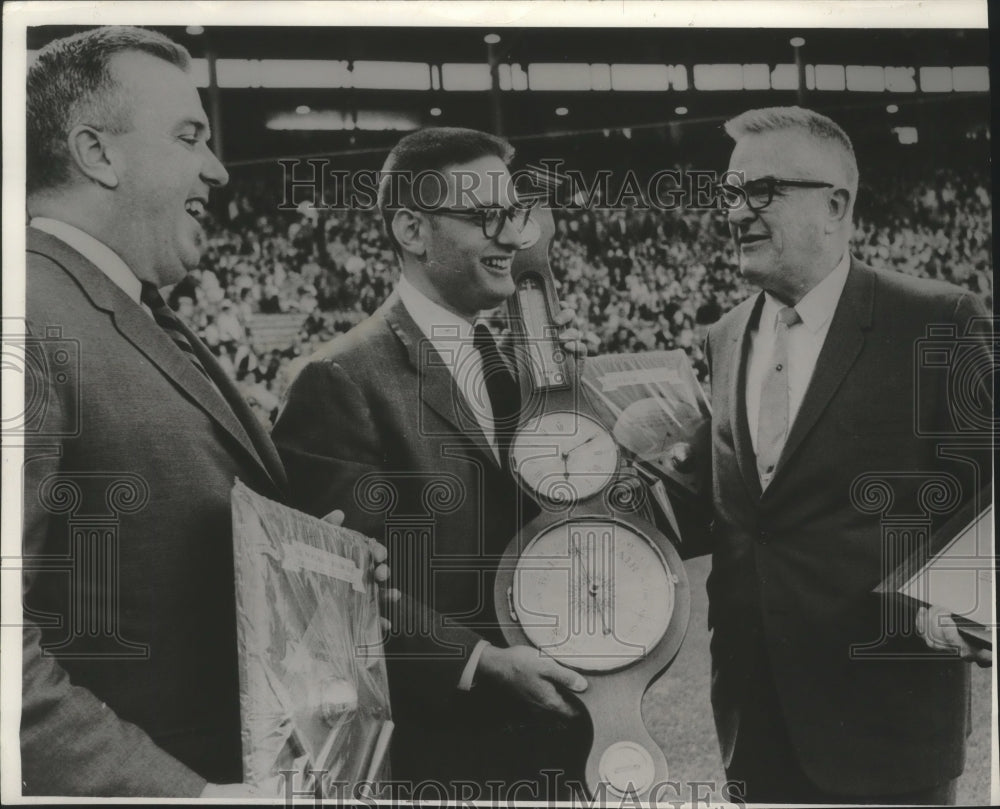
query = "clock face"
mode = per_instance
[
  {"x": 564, "y": 456},
  {"x": 593, "y": 593}
]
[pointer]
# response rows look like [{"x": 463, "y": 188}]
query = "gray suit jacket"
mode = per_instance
[
  {"x": 868, "y": 709},
  {"x": 130, "y": 684}
]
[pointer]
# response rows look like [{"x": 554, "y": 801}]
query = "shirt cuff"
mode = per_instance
[{"x": 468, "y": 677}]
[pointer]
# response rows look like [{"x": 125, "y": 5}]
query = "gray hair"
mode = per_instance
[
  {"x": 812, "y": 123},
  {"x": 70, "y": 83}
]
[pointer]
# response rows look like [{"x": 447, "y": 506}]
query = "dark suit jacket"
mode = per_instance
[
  {"x": 793, "y": 569},
  {"x": 130, "y": 672},
  {"x": 375, "y": 425}
]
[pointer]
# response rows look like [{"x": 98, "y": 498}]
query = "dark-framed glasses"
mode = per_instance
[
  {"x": 758, "y": 194},
  {"x": 492, "y": 218}
]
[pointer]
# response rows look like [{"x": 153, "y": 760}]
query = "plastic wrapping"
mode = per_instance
[
  {"x": 658, "y": 413},
  {"x": 653, "y": 404},
  {"x": 314, "y": 698}
]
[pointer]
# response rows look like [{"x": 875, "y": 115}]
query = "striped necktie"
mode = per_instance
[
  {"x": 772, "y": 424},
  {"x": 167, "y": 320}
]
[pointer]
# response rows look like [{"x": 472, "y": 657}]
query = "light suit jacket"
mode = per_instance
[{"x": 130, "y": 684}]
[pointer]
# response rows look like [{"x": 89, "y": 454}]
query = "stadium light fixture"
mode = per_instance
[
  {"x": 560, "y": 111},
  {"x": 491, "y": 39},
  {"x": 681, "y": 110},
  {"x": 892, "y": 109},
  {"x": 436, "y": 111},
  {"x": 303, "y": 109},
  {"x": 195, "y": 30},
  {"x": 797, "y": 42}
]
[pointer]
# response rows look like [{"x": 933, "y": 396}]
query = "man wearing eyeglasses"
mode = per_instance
[
  {"x": 402, "y": 423},
  {"x": 817, "y": 697}
]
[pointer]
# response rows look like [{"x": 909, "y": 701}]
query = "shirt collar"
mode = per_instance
[
  {"x": 436, "y": 322},
  {"x": 818, "y": 305},
  {"x": 96, "y": 252}
]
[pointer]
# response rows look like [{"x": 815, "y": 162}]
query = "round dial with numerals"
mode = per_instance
[
  {"x": 593, "y": 592},
  {"x": 564, "y": 456}
]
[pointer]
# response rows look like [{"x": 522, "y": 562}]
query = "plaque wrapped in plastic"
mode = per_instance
[
  {"x": 657, "y": 411},
  {"x": 956, "y": 570},
  {"x": 314, "y": 698}
]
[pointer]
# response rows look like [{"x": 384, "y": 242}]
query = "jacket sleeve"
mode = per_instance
[{"x": 71, "y": 742}]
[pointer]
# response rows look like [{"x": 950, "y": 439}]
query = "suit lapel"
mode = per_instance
[
  {"x": 246, "y": 419},
  {"x": 435, "y": 381},
  {"x": 740, "y": 426},
  {"x": 136, "y": 326},
  {"x": 843, "y": 343}
]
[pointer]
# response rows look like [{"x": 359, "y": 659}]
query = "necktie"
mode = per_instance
[
  {"x": 502, "y": 388},
  {"x": 167, "y": 320},
  {"x": 772, "y": 424}
]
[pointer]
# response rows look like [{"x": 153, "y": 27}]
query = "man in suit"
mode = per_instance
[
  {"x": 817, "y": 696},
  {"x": 130, "y": 682},
  {"x": 400, "y": 424}
]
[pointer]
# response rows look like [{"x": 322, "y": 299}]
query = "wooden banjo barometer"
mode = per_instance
[{"x": 591, "y": 581}]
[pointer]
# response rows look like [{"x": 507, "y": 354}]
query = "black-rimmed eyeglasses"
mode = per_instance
[
  {"x": 758, "y": 194},
  {"x": 492, "y": 218}
]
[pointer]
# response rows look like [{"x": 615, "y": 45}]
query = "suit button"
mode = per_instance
[{"x": 762, "y": 537}]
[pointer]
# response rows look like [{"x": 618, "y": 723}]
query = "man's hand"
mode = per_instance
[
  {"x": 389, "y": 595},
  {"x": 937, "y": 627},
  {"x": 571, "y": 338},
  {"x": 537, "y": 679}
]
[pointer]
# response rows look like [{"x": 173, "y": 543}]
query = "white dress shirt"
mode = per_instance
[
  {"x": 452, "y": 338},
  {"x": 805, "y": 340},
  {"x": 97, "y": 253}
]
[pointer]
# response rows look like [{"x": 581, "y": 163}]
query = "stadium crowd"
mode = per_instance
[{"x": 638, "y": 279}]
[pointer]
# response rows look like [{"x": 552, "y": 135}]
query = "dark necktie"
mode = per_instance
[
  {"x": 503, "y": 390},
  {"x": 772, "y": 421},
  {"x": 167, "y": 320}
]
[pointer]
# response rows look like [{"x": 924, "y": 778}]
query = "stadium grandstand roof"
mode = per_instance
[
  {"x": 646, "y": 45},
  {"x": 306, "y": 90}
]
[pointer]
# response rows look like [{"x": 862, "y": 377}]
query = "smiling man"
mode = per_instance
[
  {"x": 814, "y": 391},
  {"x": 402, "y": 423},
  {"x": 130, "y": 681}
]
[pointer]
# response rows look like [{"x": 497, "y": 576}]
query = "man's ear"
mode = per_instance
[
  {"x": 410, "y": 230},
  {"x": 839, "y": 207},
  {"x": 88, "y": 149}
]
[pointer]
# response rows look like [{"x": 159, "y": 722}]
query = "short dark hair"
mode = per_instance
[
  {"x": 70, "y": 83},
  {"x": 432, "y": 149}
]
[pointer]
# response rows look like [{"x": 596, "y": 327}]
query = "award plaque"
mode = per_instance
[{"x": 314, "y": 698}]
